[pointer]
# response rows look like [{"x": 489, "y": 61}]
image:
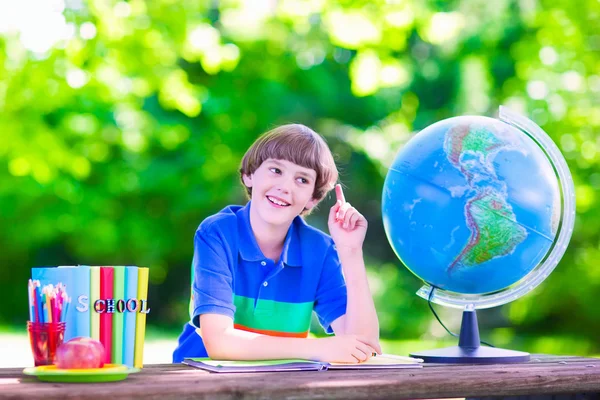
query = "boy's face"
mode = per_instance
[{"x": 281, "y": 190}]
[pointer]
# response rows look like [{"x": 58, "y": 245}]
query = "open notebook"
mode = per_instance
[{"x": 379, "y": 362}]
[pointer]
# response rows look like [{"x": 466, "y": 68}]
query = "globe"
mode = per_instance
[{"x": 480, "y": 209}]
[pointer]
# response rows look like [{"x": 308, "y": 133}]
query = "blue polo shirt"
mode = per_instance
[{"x": 232, "y": 277}]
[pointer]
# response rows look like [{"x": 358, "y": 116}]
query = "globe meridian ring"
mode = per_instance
[{"x": 549, "y": 261}]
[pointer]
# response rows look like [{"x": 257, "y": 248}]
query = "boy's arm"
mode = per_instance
[
  {"x": 348, "y": 229},
  {"x": 361, "y": 316},
  {"x": 224, "y": 342}
]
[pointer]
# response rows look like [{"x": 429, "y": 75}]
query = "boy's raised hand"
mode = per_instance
[{"x": 347, "y": 226}]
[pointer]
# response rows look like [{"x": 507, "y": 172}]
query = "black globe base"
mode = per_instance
[
  {"x": 469, "y": 350},
  {"x": 470, "y": 355}
]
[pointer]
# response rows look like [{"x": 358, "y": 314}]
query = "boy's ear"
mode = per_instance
[
  {"x": 311, "y": 204},
  {"x": 247, "y": 180}
]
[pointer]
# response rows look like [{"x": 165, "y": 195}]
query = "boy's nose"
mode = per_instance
[{"x": 284, "y": 187}]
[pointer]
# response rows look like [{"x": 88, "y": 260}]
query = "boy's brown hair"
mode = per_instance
[{"x": 295, "y": 143}]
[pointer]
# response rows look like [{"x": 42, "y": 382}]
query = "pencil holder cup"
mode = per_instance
[{"x": 45, "y": 338}]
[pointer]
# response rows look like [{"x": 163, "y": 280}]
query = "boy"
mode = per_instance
[{"x": 259, "y": 270}]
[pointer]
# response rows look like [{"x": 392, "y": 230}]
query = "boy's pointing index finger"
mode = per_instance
[{"x": 339, "y": 193}]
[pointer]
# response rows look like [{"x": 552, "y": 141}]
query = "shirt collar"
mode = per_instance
[{"x": 248, "y": 247}]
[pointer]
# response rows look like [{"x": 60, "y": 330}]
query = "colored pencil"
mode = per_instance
[{"x": 48, "y": 303}]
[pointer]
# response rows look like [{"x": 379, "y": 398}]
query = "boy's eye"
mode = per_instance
[
  {"x": 302, "y": 180},
  {"x": 275, "y": 170}
]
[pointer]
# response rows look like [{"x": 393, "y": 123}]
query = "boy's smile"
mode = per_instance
[
  {"x": 277, "y": 202},
  {"x": 281, "y": 190}
]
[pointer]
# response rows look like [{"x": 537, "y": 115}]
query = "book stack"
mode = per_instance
[{"x": 108, "y": 304}]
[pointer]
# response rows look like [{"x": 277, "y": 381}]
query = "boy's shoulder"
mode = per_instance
[{"x": 225, "y": 219}]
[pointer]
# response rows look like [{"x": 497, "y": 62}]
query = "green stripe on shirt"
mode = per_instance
[{"x": 273, "y": 315}]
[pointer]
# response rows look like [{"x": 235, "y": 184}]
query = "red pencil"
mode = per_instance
[{"x": 53, "y": 307}]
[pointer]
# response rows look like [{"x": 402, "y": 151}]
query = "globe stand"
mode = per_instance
[{"x": 469, "y": 350}]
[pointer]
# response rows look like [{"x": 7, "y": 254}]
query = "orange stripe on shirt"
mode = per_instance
[{"x": 271, "y": 333}]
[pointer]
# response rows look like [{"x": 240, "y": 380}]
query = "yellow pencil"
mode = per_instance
[{"x": 47, "y": 301}]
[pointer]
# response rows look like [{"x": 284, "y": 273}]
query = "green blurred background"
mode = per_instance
[{"x": 122, "y": 125}]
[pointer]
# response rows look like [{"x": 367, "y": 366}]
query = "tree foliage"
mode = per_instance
[{"x": 123, "y": 124}]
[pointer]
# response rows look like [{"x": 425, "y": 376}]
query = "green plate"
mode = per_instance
[{"x": 110, "y": 373}]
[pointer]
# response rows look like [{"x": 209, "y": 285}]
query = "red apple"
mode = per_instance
[{"x": 80, "y": 352}]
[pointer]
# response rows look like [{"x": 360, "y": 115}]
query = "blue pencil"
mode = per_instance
[
  {"x": 63, "y": 315},
  {"x": 38, "y": 303}
]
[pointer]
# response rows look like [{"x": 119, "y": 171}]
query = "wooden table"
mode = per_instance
[{"x": 573, "y": 377}]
